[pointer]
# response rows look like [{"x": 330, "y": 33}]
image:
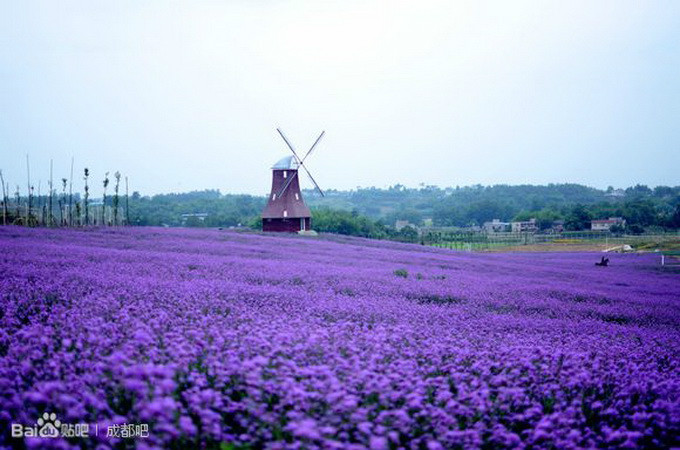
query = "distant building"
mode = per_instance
[
  {"x": 400, "y": 224},
  {"x": 557, "y": 226},
  {"x": 606, "y": 224},
  {"x": 616, "y": 193},
  {"x": 528, "y": 226},
  {"x": 496, "y": 226},
  {"x": 193, "y": 217}
]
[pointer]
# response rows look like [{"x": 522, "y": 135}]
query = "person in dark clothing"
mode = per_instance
[{"x": 604, "y": 262}]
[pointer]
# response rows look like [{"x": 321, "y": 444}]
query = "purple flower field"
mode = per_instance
[{"x": 242, "y": 341}]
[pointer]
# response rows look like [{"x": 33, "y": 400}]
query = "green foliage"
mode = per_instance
[
  {"x": 635, "y": 229},
  {"x": 578, "y": 219},
  {"x": 406, "y": 234},
  {"x": 617, "y": 229},
  {"x": 372, "y": 212},
  {"x": 640, "y": 212},
  {"x": 255, "y": 223},
  {"x": 221, "y": 210},
  {"x": 474, "y": 205},
  {"x": 403, "y": 273},
  {"x": 346, "y": 222},
  {"x": 673, "y": 220}
]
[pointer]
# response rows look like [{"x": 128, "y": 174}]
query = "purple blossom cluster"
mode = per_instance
[{"x": 243, "y": 341}]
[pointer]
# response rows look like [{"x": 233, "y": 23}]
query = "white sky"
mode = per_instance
[{"x": 187, "y": 95}]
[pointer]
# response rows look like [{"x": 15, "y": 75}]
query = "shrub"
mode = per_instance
[{"x": 401, "y": 273}]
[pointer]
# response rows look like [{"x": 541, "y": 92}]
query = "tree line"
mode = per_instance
[
  {"x": 372, "y": 212},
  {"x": 369, "y": 212},
  {"x": 469, "y": 206}
]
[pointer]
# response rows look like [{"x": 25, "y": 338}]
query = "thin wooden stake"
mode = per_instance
[
  {"x": 49, "y": 212},
  {"x": 127, "y": 204},
  {"x": 28, "y": 186},
  {"x": 70, "y": 197},
  {"x": 4, "y": 200}
]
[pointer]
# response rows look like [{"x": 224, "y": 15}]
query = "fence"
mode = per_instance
[
  {"x": 670, "y": 258},
  {"x": 458, "y": 240}
]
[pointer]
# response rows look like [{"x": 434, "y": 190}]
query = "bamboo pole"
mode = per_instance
[
  {"x": 17, "y": 204},
  {"x": 39, "y": 207},
  {"x": 28, "y": 189},
  {"x": 106, "y": 184},
  {"x": 87, "y": 217},
  {"x": 49, "y": 208},
  {"x": 70, "y": 197},
  {"x": 4, "y": 200},
  {"x": 127, "y": 204},
  {"x": 62, "y": 203},
  {"x": 116, "y": 198}
]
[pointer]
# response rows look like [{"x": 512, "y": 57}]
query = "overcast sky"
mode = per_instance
[{"x": 187, "y": 95}]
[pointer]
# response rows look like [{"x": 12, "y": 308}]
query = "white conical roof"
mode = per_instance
[{"x": 287, "y": 163}]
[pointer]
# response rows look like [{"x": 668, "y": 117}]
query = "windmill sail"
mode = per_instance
[{"x": 301, "y": 162}]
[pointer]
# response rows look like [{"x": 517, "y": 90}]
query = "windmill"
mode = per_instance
[{"x": 286, "y": 211}]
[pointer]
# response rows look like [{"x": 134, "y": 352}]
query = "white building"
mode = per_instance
[
  {"x": 606, "y": 224},
  {"x": 496, "y": 226},
  {"x": 528, "y": 226}
]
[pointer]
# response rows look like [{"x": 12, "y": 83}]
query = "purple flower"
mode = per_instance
[{"x": 288, "y": 343}]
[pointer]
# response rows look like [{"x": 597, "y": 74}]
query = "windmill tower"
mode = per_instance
[{"x": 286, "y": 210}]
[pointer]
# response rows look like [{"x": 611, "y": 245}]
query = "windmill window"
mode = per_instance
[
  {"x": 285, "y": 174},
  {"x": 285, "y": 213},
  {"x": 297, "y": 197},
  {"x": 273, "y": 196}
]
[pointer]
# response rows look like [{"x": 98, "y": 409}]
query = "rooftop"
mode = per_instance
[
  {"x": 610, "y": 220},
  {"x": 287, "y": 163}
]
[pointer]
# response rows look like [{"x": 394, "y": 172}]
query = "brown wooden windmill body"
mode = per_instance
[{"x": 286, "y": 211}]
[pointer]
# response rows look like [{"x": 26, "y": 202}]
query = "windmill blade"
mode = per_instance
[
  {"x": 285, "y": 186},
  {"x": 288, "y": 144},
  {"x": 313, "y": 181},
  {"x": 313, "y": 145},
  {"x": 300, "y": 163}
]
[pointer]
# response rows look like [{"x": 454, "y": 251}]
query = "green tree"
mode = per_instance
[
  {"x": 639, "y": 212},
  {"x": 578, "y": 219}
]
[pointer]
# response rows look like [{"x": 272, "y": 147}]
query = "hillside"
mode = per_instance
[
  {"x": 463, "y": 206},
  {"x": 236, "y": 340}
]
